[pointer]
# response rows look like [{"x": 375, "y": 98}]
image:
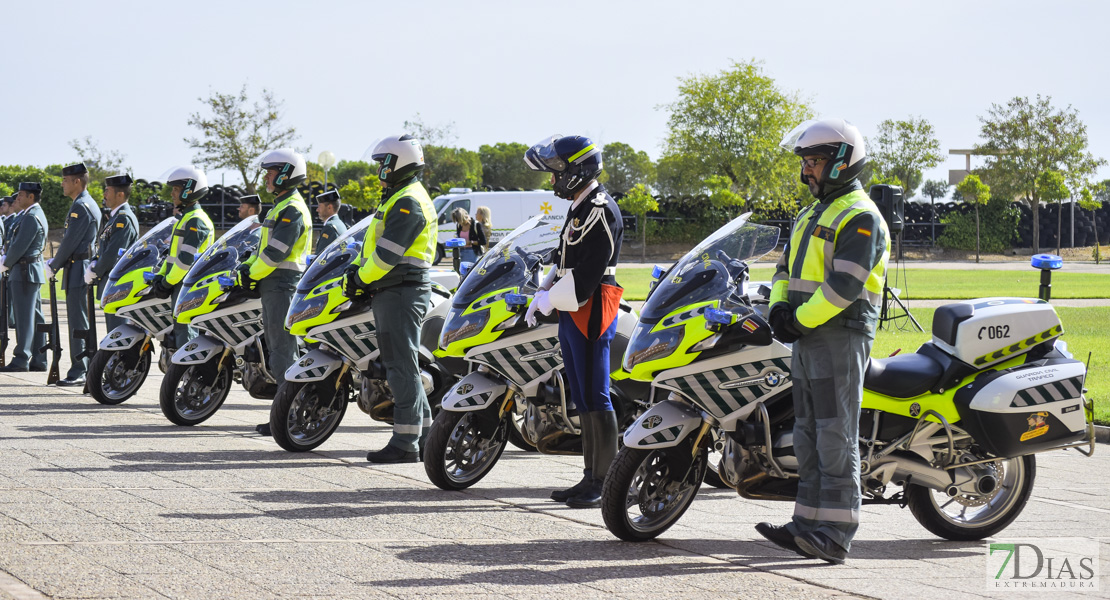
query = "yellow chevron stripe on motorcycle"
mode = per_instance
[{"x": 1018, "y": 347}]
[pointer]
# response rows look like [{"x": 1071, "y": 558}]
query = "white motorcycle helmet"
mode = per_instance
[
  {"x": 291, "y": 167},
  {"x": 838, "y": 141},
  {"x": 400, "y": 158},
  {"x": 192, "y": 180}
]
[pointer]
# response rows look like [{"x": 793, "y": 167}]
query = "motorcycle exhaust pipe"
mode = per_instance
[{"x": 919, "y": 472}]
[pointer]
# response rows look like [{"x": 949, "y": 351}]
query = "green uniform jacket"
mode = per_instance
[
  {"x": 332, "y": 229},
  {"x": 27, "y": 241},
  {"x": 118, "y": 234},
  {"x": 79, "y": 242}
]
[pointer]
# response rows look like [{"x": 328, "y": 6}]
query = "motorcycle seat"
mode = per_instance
[{"x": 902, "y": 376}]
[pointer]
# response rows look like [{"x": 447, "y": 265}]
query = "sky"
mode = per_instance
[{"x": 129, "y": 74}]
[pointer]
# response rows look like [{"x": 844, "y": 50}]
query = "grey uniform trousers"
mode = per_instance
[
  {"x": 77, "y": 313},
  {"x": 827, "y": 367},
  {"x": 277, "y": 293},
  {"x": 27, "y": 315},
  {"x": 398, "y": 312}
]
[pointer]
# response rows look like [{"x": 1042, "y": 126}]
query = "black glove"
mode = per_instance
[
  {"x": 783, "y": 326},
  {"x": 243, "y": 277},
  {"x": 352, "y": 283},
  {"x": 159, "y": 288}
]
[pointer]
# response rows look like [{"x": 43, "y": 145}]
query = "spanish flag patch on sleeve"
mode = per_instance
[{"x": 863, "y": 231}]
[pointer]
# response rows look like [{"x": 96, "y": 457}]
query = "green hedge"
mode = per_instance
[{"x": 998, "y": 225}]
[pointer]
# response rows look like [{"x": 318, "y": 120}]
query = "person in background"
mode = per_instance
[
  {"x": 23, "y": 257},
  {"x": 249, "y": 206},
  {"x": 462, "y": 230},
  {"x": 481, "y": 231},
  {"x": 119, "y": 232},
  {"x": 327, "y": 207}
]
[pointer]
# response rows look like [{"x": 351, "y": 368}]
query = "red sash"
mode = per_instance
[{"x": 609, "y": 304}]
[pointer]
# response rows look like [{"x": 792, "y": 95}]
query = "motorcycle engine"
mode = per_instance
[
  {"x": 256, "y": 382},
  {"x": 376, "y": 399},
  {"x": 544, "y": 426},
  {"x": 734, "y": 462}
]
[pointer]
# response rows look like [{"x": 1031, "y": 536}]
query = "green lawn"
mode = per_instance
[{"x": 936, "y": 284}]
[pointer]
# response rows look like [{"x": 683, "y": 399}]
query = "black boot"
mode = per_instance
[
  {"x": 587, "y": 473},
  {"x": 603, "y": 441}
]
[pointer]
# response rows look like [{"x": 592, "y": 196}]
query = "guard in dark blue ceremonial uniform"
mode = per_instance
[
  {"x": 582, "y": 286},
  {"x": 73, "y": 255},
  {"x": 23, "y": 260},
  {"x": 119, "y": 232}
]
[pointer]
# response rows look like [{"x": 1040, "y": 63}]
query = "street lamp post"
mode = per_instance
[{"x": 326, "y": 160}]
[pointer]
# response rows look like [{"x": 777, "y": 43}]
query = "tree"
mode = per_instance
[
  {"x": 236, "y": 133},
  {"x": 978, "y": 193},
  {"x": 624, "y": 167},
  {"x": 1089, "y": 201},
  {"x": 638, "y": 201},
  {"x": 1025, "y": 138},
  {"x": 904, "y": 149},
  {"x": 677, "y": 175},
  {"x": 730, "y": 124},
  {"x": 503, "y": 166},
  {"x": 1051, "y": 187},
  {"x": 346, "y": 170},
  {"x": 431, "y": 135},
  {"x": 363, "y": 194},
  {"x": 445, "y": 168},
  {"x": 100, "y": 164},
  {"x": 934, "y": 188}
]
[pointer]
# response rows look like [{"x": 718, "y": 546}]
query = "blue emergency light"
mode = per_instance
[
  {"x": 516, "y": 299},
  {"x": 716, "y": 315},
  {"x": 657, "y": 272},
  {"x": 465, "y": 268},
  {"x": 1050, "y": 262},
  {"x": 454, "y": 243}
]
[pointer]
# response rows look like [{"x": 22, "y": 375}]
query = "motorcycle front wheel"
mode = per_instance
[
  {"x": 462, "y": 447},
  {"x": 186, "y": 399},
  {"x": 968, "y": 518},
  {"x": 646, "y": 491},
  {"x": 301, "y": 420},
  {"x": 113, "y": 378}
]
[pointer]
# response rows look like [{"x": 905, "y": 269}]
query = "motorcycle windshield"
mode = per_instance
[
  {"x": 335, "y": 258},
  {"x": 227, "y": 252},
  {"x": 146, "y": 252},
  {"x": 710, "y": 270},
  {"x": 512, "y": 262}
]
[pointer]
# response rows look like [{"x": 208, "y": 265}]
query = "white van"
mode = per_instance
[{"x": 508, "y": 210}]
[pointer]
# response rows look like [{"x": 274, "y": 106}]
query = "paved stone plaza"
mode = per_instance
[{"x": 116, "y": 502}]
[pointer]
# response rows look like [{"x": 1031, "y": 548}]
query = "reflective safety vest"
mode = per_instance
[
  {"x": 827, "y": 270},
  {"x": 380, "y": 254},
  {"x": 192, "y": 234},
  {"x": 280, "y": 246}
]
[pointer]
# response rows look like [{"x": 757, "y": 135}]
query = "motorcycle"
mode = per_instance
[
  {"x": 345, "y": 366},
  {"x": 230, "y": 346},
  {"x": 951, "y": 431},
  {"x": 517, "y": 385},
  {"x": 123, "y": 357}
]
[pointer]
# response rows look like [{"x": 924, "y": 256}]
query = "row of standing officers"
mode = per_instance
[{"x": 91, "y": 245}]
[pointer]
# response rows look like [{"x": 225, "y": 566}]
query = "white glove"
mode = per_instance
[
  {"x": 530, "y": 316},
  {"x": 543, "y": 304},
  {"x": 89, "y": 275},
  {"x": 49, "y": 271},
  {"x": 3, "y": 267}
]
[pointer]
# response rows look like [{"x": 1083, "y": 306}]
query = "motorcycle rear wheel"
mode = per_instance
[
  {"x": 111, "y": 381},
  {"x": 647, "y": 491},
  {"x": 457, "y": 454},
  {"x": 951, "y": 519},
  {"x": 185, "y": 400},
  {"x": 300, "y": 420}
]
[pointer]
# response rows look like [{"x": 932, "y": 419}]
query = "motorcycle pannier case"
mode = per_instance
[{"x": 988, "y": 331}]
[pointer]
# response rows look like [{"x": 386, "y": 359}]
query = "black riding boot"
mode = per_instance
[
  {"x": 587, "y": 473},
  {"x": 603, "y": 441}
]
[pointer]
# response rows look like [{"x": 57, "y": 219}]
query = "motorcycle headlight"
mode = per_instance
[
  {"x": 117, "y": 293},
  {"x": 647, "y": 345},
  {"x": 458, "y": 326},
  {"x": 190, "y": 301},
  {"x": 305, "y": 309}
]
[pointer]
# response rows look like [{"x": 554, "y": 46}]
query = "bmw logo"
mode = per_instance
[
  {"x": 773, "y": 379},
  {"x": 115, "y": 335},
  {"x": 190, "y": 347},
  {"x": 465, "y": 388},
  {"x": 652, "y": 422},
  {"x": 915, "y": 409},
  {"x": 307, "y": 362}
]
